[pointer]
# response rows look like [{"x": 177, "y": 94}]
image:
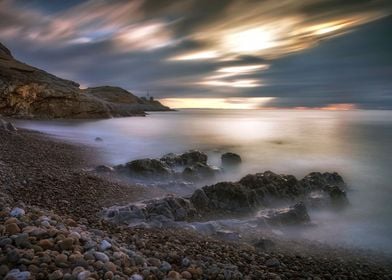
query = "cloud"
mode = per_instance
[{"x": 296, "y": 53}]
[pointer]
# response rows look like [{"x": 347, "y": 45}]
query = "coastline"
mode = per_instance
[{"x": 39, "y": 173}]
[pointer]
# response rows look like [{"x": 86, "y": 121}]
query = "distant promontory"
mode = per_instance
[{"x": 28, "y": 92}]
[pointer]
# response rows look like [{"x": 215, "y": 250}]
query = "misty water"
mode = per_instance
[{"x": 357, "y": 144}]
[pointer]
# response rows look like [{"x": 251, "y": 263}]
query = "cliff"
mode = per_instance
[{"x": 28, "y": 92}]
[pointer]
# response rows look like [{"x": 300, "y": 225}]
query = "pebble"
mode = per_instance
[
  {"x": 165, "y": 266},
  {"x": 173, "y": 275},
  {"x": 12, "y": 228},
  {"x": 67, "y": 244},
  {"x": 136, "y": 277},
  {"x": 56, "y": 275},
  {"x": 17, "y": 212},
  {"x": 273, "y": 262},
  {"x": 46, "y": 244},
  {"x": 101, "y": 257},
  {"x": 16, "y": 274},
  {"x": 105, "y": 245},
  {"x": 186, "y": 275},
  {"x": 185, "y": 262}
]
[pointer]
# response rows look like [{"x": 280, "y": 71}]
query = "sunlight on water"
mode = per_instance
[{"x": 356, "y": 144}]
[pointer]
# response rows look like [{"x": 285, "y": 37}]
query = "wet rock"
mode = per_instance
[
  {"x": 148, "y": 168},
  {"x": 226, "y": 196},
  {"x": 98, "y": 139},
  {"x": 337, "y": 195},
  {"x": 189, "y": 158},
  {"x": 11, "y": 127},
  {"x": 136, "y": 277},
  {"x": 230, "y": 159},
  {"x": 104, "y": 169},
  {"x": 199, "y": 171},
  {"x": 294, "y": 215}
]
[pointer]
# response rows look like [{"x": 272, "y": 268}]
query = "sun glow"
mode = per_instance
[
  {"x": 195, "y": 56},
  {"x": 249, "y": 40},
  {"x": 217, "y": 103}
]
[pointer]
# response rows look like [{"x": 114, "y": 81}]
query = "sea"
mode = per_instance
[{"x": 357, "y": 144}]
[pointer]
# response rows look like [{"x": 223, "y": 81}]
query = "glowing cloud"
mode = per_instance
[
  {"x": 217, "y": 103},
  {"x": 195, "y": 56}
]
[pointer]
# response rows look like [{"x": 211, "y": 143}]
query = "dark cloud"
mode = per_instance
[{"x": 319, "y": 52}]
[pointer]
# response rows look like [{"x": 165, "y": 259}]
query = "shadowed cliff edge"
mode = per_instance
[{"x": 28, "y": 92}]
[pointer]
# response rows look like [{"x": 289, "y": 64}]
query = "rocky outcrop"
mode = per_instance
[
  {"x": 264, "y": 189},
  {"x": 231, "y": 200},
  {"x": 28, "y": 92}
]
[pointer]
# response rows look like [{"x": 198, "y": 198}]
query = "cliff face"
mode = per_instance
[{"x": 28, "y": 92}]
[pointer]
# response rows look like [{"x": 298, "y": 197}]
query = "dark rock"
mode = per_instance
[
  {"x": 337, "y": 195},
  {"x": 104, "y": 169},
  {"x": 227, "y": 196},
  {"x": 230, "y": 159},
  {"x": 189, "y": 158},
  {"x": 11, "y": 127},
  {"x": 199, "y": 171},
  {"x": 317, "y": 181},
  {"x": 294, "y": 215},
  {"x": 148, "y": 168},
  {"x": 98, "y": 139},
  {"x": 263, "y": 244}
]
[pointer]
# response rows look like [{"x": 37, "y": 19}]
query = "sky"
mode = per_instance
[{"x": 324, "y": 54}]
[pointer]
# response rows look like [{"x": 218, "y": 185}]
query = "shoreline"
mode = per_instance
[{"x": 37, "y": 170}]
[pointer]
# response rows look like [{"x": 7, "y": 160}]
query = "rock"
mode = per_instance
[
  {"x": 98, "y": 139},
  {"x": 105, "y": 245},
  {"x": 263, "y": 244},
  {"x": 22, "y": 240},
  {"x": 104, "y": 169},
  {"x": 33, "y": 93},
  {"x": 61, "y": 260},
  {"x": 199, "y": 171},
  {"x": 173, "y": 275},
  {"x": 226, "y": 196},
  {"x": 337, "y": 195},
  {"x": 17, "y": 212},
  {"x": 186, "y": 275},
  {"x": 84, "y": 275},
  {"x": 165, "y": 266},
  {"x": 148, "y": 168},
  {"x": 186, "y": 159},
  {"x": 136, "y": 277},
  {"x": 67, "y": 244},
  {"x": 3, "y": 270},
  {"x": 273, "y": 262},
  {"x": 294, "y": 215},
  {"x": 16, "y": 274},
  {"x": 185, "y": 262},
  {"x": 230, "y": 159},
  {"x": 199, "y": 199},
  {"x": 12, "y": 228},
  {"x": 101, "y": 257},
  {"x": 11, "y": 127},
  {"x": 56, "y": 275}
]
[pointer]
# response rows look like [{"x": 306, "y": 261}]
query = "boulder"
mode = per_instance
[
  {"x": 199, "y": 171},
  {"x": 227, "y": 197},
  {"x": 148, "y": 168},
  {"x": 294, "y": 215},
  {"x": 189, "y": 158},
  {"x": 230, "y": 159}
]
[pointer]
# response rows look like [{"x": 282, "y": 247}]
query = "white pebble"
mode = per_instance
[
  {"x": 17, "y": 212},
  {"x": 105, "y": 245}
]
